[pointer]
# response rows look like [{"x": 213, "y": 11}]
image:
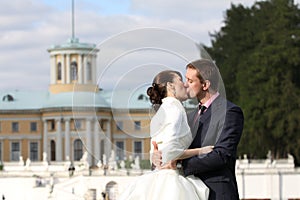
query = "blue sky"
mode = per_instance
[
  {"x": 106, "y": 7},
  {"x": 29, "y": 27}
]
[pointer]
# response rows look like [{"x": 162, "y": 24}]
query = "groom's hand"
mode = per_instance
[
  {"x": 156, "y": 156},
  {"x": 170, "y": 165}
]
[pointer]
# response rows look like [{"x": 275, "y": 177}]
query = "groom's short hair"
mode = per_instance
[{"x": 207, "y": 70}]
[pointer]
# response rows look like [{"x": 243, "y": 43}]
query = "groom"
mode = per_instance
[{"x": 220, "y": 123}]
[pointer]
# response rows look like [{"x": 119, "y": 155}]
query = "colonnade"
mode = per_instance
[
  {"x": 90, "y": 137},
  {"x": 83, "y": 62}
]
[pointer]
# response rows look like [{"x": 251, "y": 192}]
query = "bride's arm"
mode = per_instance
[
  {"x": 187, "y": 154},
  {"x": 194, "y": 152}
]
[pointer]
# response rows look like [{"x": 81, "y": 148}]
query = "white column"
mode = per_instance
[
  {"x": 274, "y": 182},
  {"x": 108, "y": 140},
  {"x": 89, "y": 139},
  {"x": 84, "y": 69},
  {"x": 63, "y": 69},
  {"x": 52, "y": 70},
  {"x": 80, "y": 69},
  {"x": 97, "y": 140},
  {"x": 58, "y": 149},
  {"x": 68, "y": 72},
  {"x": 45, "y": 138},
  {"x": 67, "y": 139},
  {"x": 94, "y": 71}
]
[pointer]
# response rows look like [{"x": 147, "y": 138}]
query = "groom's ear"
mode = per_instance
[{"x": 205, "y": 85}]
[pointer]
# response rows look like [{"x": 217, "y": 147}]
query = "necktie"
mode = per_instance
[{"x": 201, "y": 110}]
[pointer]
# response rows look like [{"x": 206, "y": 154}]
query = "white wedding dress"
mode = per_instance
[{"x": 169, "y": 128}]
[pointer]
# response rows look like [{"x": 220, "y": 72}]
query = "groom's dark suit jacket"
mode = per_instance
[{"x": 221, "y": 125}]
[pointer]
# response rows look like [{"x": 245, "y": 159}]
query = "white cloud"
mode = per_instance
[
  {"x": 128, "y": 52},
  {"x": 21, "y": 14},
  {"x": 29, "y": 27}
]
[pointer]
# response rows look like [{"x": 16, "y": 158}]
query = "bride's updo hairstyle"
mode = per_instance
[{"x": 158, "y": 90}]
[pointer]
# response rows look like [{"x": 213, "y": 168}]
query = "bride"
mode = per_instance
[{"x": 169, "y": 129}]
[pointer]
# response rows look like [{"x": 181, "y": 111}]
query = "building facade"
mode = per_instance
[{"x": 73, "y": 116}]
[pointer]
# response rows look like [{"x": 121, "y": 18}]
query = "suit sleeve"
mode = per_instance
[{"x": 225, "y": 148}]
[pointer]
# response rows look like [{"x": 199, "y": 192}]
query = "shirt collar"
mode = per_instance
[{"x": 210, "y": 100}]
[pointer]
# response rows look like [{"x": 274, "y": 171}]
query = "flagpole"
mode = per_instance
[{"x": 73, "y": 23}]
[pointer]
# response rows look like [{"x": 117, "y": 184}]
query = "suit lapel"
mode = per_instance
[
  {"x": 209, "y": 123},
  {"x": 197, "y": 129},
  {"x": 210, "y": 130},
  {"x": 193, "y": 127}
]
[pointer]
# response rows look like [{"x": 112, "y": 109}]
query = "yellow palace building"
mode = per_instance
[{"x": 73, "y": 116}]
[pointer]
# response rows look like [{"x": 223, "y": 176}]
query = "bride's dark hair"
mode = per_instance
[{"x": 158, "y": 90}]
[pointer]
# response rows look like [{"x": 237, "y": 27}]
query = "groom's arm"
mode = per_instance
[{"x": 224, "y": 151}]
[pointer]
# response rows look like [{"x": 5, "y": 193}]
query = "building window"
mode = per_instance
[
  {"x": 15, "y": 127},
  {"x": 15, "y": 151},
  {"x": 78, "y": 150},
  {"x": 59, "y": 71},
  {"x": 137, "y": 125},
  {"x": 78, "y": 124},
  {"x": 137, "y": 145},
  {"x": 143, "y": 97},
  {"x": 33, "y": 151},
  {"x": 52, "y": 125},
  {"x": 0, "y": 151},
  {"x": 88, "y": 71},
  {"x": 52, "y": 150},
  {"x": 8, "y": 97},
  {"x": 120, "y": 150},
  {"x": 74, "y": 71},
  {"x": 103, "y": 124},
  {"x": 33, "y": 126},
  {"x": 119, "y": 125}
]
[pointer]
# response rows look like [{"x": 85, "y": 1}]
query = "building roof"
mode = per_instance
[
  {"x": 76, "y": 99},
  {"x": 33, "y": 100},
  {"x": 115, "y": 99},
  {"x": 135, "y": 99},
  {"x": 127, "y": 99},
  {"x": 74, "y": 44},
  {"x": 22, "y": 100}
]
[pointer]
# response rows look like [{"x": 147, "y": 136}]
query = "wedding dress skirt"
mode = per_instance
[{"x": 165, "y": 184}]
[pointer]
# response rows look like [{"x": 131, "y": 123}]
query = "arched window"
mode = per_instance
[
  {"x": 88, "y": 71},
  {"x": 143, "y": 97},
  {"x": 59, "y": 71},
  {"x": 74, "y": 71},
  {"x": 111, "y": 190},
  {"x": 8, "y": 97},
  {"x": 77, "y": 149}
]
